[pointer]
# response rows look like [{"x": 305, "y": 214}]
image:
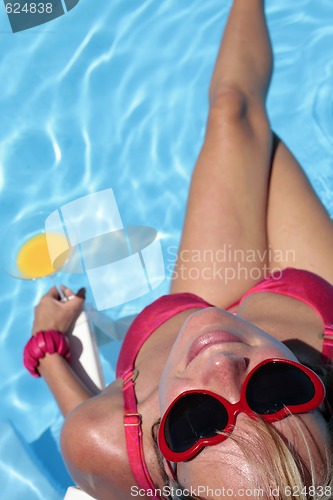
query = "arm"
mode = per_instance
[
  {"x": 68, "y": 390},
  {"x": 92, "y": 440}
]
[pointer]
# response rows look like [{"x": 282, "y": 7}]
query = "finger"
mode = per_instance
[
  {"x": 54, "y": 293},
  {"x": 69, "y": 295},
  {"x": 67, "y": 292},
  {"x": 81, "y": 293}
]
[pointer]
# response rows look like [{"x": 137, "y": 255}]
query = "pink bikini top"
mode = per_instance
[{"x": 298, "y": 284}]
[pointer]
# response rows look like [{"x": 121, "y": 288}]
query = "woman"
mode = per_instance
[{"x": 249, "y": 199}]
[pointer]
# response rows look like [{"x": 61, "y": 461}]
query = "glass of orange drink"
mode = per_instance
[{"x": 33, "y": 249}]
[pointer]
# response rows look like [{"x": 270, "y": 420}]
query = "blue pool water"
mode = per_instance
[{"x": 114, "y": 94}]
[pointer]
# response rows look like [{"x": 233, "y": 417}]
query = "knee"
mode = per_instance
[
  {"x": 231, "y": 109},
  {"x": 229, "y": 103}
]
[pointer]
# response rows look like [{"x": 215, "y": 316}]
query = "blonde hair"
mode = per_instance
[{"x": 282, "y": 469}]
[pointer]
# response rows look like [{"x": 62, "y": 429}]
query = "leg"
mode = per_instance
[
  {"x": 300, "y": 231},
  {"x": 244, "y": 61},
  {"x": 228, "y": 195}
]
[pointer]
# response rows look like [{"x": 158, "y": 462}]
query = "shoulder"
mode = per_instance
[{"x": 94, "y": 447}]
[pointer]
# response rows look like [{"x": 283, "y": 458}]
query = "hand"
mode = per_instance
[{"x": 52, "y": 314}]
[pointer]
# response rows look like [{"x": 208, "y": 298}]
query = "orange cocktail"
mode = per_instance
[{"x": 42, "y": 255}]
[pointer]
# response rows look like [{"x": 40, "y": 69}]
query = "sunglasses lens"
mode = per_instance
[
  {"x": 193, "y": 416},
  {"x": 276, "y": 385}
]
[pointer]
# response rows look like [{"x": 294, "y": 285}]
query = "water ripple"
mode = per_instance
[{"x": 323, "y": 106}]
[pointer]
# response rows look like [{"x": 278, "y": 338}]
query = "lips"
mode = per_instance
[{"x": 208, "y": 339}]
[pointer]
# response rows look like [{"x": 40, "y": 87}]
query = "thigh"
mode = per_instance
[
  {"x": 300, "y": 232},
  {"x": 224, "y": 241}
]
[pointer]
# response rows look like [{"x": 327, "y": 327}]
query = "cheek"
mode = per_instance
[
  {"x": 272, "y": 349},
  {"x": 170, "y": 377},
  {"x": 170, "y": 386},
  {"x": 165, "y": 386}
]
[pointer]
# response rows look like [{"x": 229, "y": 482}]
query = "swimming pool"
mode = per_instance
[{"x": 114, "y": 94}]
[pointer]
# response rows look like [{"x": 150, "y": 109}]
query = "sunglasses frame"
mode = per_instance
[{"x": 233, "y": 409}]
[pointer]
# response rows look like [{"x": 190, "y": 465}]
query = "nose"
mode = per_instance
[{"x": 224, "y": 373}]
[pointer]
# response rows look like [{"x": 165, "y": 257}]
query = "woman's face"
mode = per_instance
[{"x": 215, "y": 350}]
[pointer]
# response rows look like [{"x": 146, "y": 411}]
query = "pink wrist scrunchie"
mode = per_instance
[{"x": 48, "y": 342}]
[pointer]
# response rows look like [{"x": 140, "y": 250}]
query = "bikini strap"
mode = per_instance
[{"x": 133, "y": 433}]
